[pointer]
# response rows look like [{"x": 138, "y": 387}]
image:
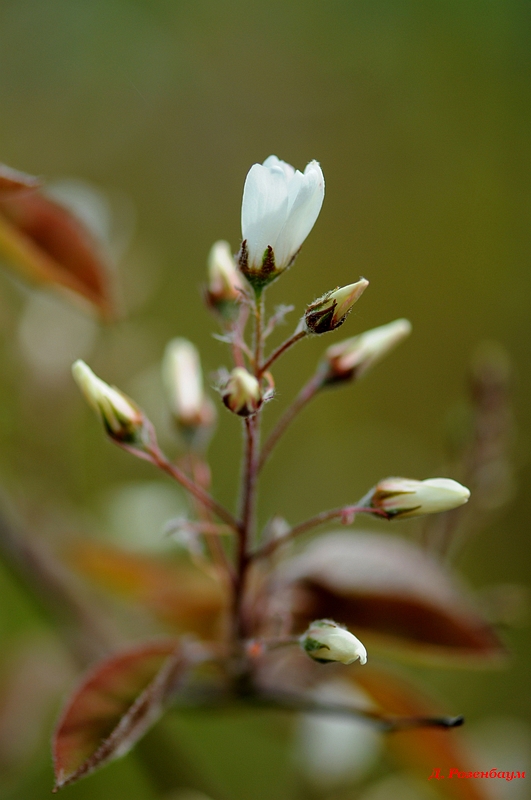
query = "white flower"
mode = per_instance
[
  {"x": 326, "y": 641},
  {"x": 122, "y": 418},
  {"x": 403, "y": 497},
  {"x": 279, "y": 208},
  {"x": 354, "y": 356}
]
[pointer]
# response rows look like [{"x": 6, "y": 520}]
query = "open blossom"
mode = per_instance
[
  {"x": 403, "y": 497},
  {"x": 279, "y": 208},
  {"x": 326, "y": 641},
  {"x": 121, "y": 417}
]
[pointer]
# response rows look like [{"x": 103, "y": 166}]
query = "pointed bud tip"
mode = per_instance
[
  {"x": 353, "y": 357},
  {"x": 404, "y": 497},
  {"x": 331, "y": 310},
  {"x": 121, "y": 417}
]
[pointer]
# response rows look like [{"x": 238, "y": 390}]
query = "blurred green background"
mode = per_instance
[{"x": 419, "y": 114}]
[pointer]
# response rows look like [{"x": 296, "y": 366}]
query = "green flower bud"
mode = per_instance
[{"x": 326, "y": 641}]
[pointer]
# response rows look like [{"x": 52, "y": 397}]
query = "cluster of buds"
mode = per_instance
[
  {"x": 351, "y": 358},
  {"x": 325, "y": 641},
  {"x": 279, "y": 208},
  {"x": 122, "y": 419},
  {"x": 331, "y": 310},
  {"x": 193, "y": 412},
  {"x": 404, "y": 497}
]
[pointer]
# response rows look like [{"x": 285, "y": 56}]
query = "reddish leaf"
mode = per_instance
[
  {"x": 177, "y": 592},
  {"x": 389, "y": 591},
  {"x": 113, "y": 707},
  {"x": 11, "y": 180},
  {"x": 422, "y": 749},
  {"x": 48, "y": 244}
]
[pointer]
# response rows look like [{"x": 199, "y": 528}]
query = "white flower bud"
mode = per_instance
[
  {"x": 279, "y": 208},
  {"x": 241, "y": 394},
  {"x": 331, "y": 310},
  {"x": 183, "y": 380},
  {"x": 326, "y": 641},
  {"x": 225, "y": 286},
  {"x": 352, "y": 357},
  {"x": 122, "y": 418},
  {"x": 403, "y": 497}
]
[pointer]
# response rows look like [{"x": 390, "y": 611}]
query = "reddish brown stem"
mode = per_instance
[
  {"x": 159, "y": 459},
  {"x": 281, "y": 349},
  {"x": 250, "y": 474},
  {"x": 346, "y": 514},
  {"x": 198, "y": 469}
]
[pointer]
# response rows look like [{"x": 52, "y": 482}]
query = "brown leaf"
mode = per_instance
[
  {"x": 46, "y": 243},
  {"x": 113, "y": 707},
  {"x": 389, "y": 591},
  {"x": 422, "y": 749},
  {"x": 11, "y": 180},
  {"x": 175, "y": 592}
]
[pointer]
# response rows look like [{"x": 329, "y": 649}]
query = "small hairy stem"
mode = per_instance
[
  {"x": 297, "y": 336},
  {"x": 308, "y": 391},
  {"x": 346, "y": 514},
  {"x": 238, "y": 344},
  {"x": 159, "y": 459},
  {"x": 249, "y": 477}
]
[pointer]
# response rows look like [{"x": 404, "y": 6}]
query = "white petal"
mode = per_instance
[
  {"x": 273, "y": 161},
  {"x": 305, "y": 200},
  {"x": 264, "y": 209}
]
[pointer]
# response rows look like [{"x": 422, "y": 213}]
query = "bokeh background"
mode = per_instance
[{"x": 419, "y": 114}]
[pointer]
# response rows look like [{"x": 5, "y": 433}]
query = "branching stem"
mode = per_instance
[
  {"x": 157, "y": 457},
  {"x": 346, "y": 514},
  {"x": 297, "y": 336}
]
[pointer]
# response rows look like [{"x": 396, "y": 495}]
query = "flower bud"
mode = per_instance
[
  {"x": 241, "y": 394},
  {"x": 279, "y": 208},
  {"x": 121, "y": 417},
  {"x": 183, "y": 380},
  {"x": 352, "y": 357},
  {"x": 326, "y": 641},
  {"x": 225, "y": 286},
  {"x": 331, "y": 310},
  {"x": 402, "y": 497}
]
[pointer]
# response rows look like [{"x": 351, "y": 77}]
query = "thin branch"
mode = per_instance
[
  {"x": 300, "y": 703},
  {"x": 157, "y": 457},
  {"x": 239, "y": 347},
  {"x": 249, "y": 478},
  {"x": 199, "y": 469},
  {"x": 346, "y": 514},
  {"x": 307, "y": 393},
  {"x": 297, "y": 336}
]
